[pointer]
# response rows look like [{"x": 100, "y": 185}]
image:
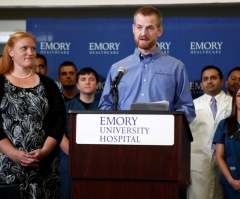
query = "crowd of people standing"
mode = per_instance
[{"x": 34, "y": 124}]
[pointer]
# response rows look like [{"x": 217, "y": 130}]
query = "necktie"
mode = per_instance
[{"x": 214, "y": 107}]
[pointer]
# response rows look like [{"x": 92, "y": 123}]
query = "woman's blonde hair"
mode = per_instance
[{"x": 7, "y": 63}]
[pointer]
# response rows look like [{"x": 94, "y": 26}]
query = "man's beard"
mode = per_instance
[{"x": 145, "y": 46}]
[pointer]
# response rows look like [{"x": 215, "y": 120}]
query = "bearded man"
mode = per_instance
[{"x": 151, "y": 75}]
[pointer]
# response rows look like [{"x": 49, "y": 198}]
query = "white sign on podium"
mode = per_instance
[{"x": 125, "y": 129}]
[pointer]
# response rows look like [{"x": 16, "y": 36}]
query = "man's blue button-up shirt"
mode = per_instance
[{"x": 151, "y": 78}]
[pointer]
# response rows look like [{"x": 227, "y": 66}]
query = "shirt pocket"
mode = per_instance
[
  {"x": 164, "y": 76},
  {"x": 198, "y": 111},
  {"x": 165, "y": 83},
  {"x": 196, "y": 163},
  {"x": 234, "y": 171}
]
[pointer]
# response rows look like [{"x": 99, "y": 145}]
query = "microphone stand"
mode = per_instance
[
  {"x": 114, "y": 90},
  {"x": 115, "y": 98}
]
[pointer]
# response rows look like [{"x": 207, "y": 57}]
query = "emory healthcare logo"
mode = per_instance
[
  {"x": 213, "y": 47},
  {"x": 54, "y": 47},
  {"x": 196, "y": 88},
  {"x": 164, "y": 46},
  {"x": 104, "y": 48}
]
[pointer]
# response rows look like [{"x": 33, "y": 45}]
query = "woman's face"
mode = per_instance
[
  {"x": 23, "y": 52},
  {"x": 238, "y": 99}
]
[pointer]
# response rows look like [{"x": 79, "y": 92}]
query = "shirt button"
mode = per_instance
[
  {"x": 144, "y": 80},
  {"x": 142, "y": 94},
  {"x": 145, "y": 64}
]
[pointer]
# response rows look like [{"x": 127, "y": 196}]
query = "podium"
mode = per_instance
[{"x": 118, "y": 171}]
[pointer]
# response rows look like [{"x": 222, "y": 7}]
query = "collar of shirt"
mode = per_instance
[
  {"x": 217, "y": 97},
  {"x": 153, "y": 55}
]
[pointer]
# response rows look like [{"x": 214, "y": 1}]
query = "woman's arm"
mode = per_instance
[
  {"x": 65, "y": 144},
  {"x": 220, "y": 154},
  {"x": 56, "y": 118},
  {"x": 48, "y": 146},
  {"x": 8, "y": 149},
  {"x": 39, "y": 154},
  {"x": 16, "y": 155}
]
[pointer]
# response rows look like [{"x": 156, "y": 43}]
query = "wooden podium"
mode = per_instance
[{"x": 130, "y": 171}]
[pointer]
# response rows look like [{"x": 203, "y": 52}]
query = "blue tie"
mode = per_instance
[{"x": 214, "y": 107}]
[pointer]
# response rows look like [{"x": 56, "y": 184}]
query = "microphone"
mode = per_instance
[{"x": 121, "y": 71}]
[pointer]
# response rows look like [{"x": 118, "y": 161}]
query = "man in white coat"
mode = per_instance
[{"x": 204, "y": 170}]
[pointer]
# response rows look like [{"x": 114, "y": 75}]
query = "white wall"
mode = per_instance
[
  {"x": 8, "y": 27},
  {"x": 59, "y": 3}
]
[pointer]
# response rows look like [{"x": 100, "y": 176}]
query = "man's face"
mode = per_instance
[
  {"x": 211, "y": 82},
  {"x": 146, "y": 33},
  {"x": 67, "y": 76},
  {"x": 233, "y": 81},
  {"x": 40, "y": 66},
  {"x": 87, "y": 84}
]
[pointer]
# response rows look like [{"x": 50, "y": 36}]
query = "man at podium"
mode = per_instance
[{"x": 151, "y": 75}]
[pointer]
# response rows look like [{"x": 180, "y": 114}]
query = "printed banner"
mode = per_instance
[{"x": 99, "y": 43}]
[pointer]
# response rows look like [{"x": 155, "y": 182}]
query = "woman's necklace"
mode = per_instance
[{"x": 21, "y": 77}]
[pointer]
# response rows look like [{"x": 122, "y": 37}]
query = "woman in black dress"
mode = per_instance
[{"x": 32, "y": 122}]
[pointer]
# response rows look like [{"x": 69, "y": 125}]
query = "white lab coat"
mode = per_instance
[{"x": 204, "y": 170}]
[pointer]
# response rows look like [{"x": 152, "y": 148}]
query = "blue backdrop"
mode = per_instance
[{"x": 99, "y": 43}]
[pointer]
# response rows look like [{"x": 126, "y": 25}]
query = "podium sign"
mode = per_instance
[{"x": 125, "y": 129}]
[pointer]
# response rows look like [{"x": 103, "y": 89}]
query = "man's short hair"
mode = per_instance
[
  {"x": 147, "y": 11},
  {"x": 234, "y": 69},
  {"x": 42, "y": 57},
  {"x": 212, "y": 67},
  {"x": 88, "y": 70},
  {"x": 66, "y": 63}
]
